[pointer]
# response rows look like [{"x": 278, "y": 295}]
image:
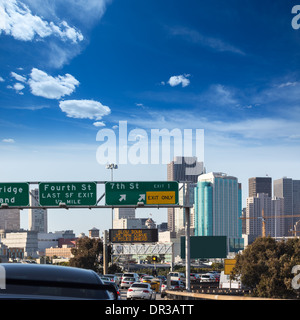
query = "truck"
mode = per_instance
[{"x": 226, "y": 283}]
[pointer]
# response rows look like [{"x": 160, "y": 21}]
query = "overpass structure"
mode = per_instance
[{"x": 85, "y": 194}]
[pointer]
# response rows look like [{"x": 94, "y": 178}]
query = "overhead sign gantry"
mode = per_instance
[{"x": 84, "y": 194}]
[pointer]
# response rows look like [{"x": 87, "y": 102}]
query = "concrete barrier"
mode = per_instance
[{"x": 180, "y": 295}]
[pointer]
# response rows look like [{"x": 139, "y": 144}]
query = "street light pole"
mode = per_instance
[{"x": 112, "y": 166}]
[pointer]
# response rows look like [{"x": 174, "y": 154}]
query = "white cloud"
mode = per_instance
[
  {"x": 8, "y": 140},
  {"x": 197, "y": 38},
  {"x": 43, "y": 85},
  {"x": 99, "y": 124},
  {"x": 86, "y": 12},
  {"x": 177, "y": 80},
  {"x": 84, "y": 109},
  {"x": 1, "y": 79},
  {"x": 17, "y": 20},
  {"x": 287, "y": 84},
  {"x": 18, "y": 77},
  {"x": 221, "y": 95},
  {"x": 18, "y": 86}
]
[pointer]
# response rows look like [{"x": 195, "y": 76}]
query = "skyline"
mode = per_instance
[{"x": 70, "y": 69}]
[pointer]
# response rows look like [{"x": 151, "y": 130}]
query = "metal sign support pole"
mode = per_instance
[
  {"x": 187, "y": 239},
  {"x": 105, "y": 255},
  {"x": 187, "y": 249}
]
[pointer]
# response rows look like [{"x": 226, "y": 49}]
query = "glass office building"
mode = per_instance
[{"x": 218, "y": 208}]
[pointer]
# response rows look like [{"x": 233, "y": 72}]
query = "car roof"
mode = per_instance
[{"x": 45, "y": 272}]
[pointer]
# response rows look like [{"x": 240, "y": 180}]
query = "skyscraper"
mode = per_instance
[
  {"x": 10, "y": 219},
  {"x": 289, "y": 190},
  {"x": 271, "y": 207},
  {"x": 218, "y": 208},
  {"x": 127, "y": 213},
  {"x": 122, "y": 214},
  {"x": 260, "y": 185},
  {"x": 37, "y": 218},
  {"x": 184, "y": 169},
  {"x": 296, "y": 197}
]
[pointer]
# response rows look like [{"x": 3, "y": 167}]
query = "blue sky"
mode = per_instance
[{"x": 68, "y": 70}]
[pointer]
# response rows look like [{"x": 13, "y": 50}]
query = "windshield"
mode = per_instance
[
  {"x": 58, "y": 290},
  {"x": 139, "y": 285}
]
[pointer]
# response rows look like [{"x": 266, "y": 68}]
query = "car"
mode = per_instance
[
  {"x": 111, "y": 277},
  {"x": 162, "y": 278},
  {"x": 147, "y": 279},
  {"x": 216, "y": 275},
  {"x": 207, "y": 277},
  {"x": 139, "y": 290},
  {"x": 126, "y": 282},
  {"x": 174, "y": 285},
  {"x": 51, "y": 282},
  {"x": 119, "y": 277},
  {"x": 194, "y": 277},
  {"x": 177, "y": 276},
  {"x": 118, "y": 294},
  {"x": 141, "y": 276},
  {"x": 131, "y": 275}
]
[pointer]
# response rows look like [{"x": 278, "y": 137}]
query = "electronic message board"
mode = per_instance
[{"x": 133, "y": 235}]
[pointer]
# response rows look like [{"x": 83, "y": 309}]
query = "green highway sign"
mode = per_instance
[
  {"x": 68, "y": 193},
  {"x": 14, "y": 194},
  {"x": 148, "y": 193}
]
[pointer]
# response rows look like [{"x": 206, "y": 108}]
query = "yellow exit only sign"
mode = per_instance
[
  {"x": 160, "y": 197},
  {"x": 229, "y": 264}
]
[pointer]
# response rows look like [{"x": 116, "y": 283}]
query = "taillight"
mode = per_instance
[
  {"x": 176, "y": 287},
  {"x": 130, "y": 290},
  {"x": 146, "y": 291}
]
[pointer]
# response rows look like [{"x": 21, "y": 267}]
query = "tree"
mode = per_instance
[
  {"x": 87, "y": 253},
  {"x": 266, "y": 265},
  {"x": 114, "y": 269}
]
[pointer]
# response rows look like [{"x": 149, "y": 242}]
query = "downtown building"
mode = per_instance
[
  {"x": 10, "y": 219},
  {"x": 37, "y": 218},
  {"x": 272, "y": 209},
  {"x": 183, "y": 169},
  {"x": 218, "y": 208},
  {"x": 289, "y": 190},
  {"x": 260, "y": 185}
]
